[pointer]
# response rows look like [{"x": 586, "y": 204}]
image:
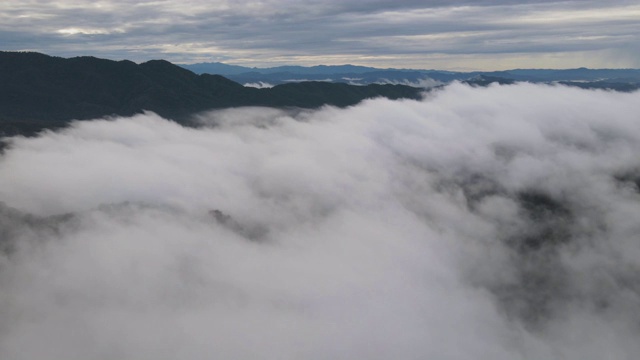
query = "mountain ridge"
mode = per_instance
[
  {"x": 40, "y": 91},
  {"x": 349, "y": 68},
  {"x": 362, "y": 75}
]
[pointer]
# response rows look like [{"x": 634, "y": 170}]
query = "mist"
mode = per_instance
[
  {"x": 425, "y": 83},
  {"x": 478, "y": 223},
  {"x": 259, "y": 85}
]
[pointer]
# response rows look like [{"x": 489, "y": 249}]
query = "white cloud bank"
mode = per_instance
[{"x": 480, "y": 223}]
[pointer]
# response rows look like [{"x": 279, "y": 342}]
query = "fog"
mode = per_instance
[
  {"x": 259, "y": 85},
  {"x": 425, "y": 83},
  {"x": 478, "y": 223}
]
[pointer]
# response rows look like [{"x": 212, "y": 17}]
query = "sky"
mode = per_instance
[
  {"x": 432, "y": 34},
  {"x": 330, "y": 234}
]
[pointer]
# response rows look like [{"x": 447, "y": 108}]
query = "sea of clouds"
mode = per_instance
[{"x": 478, "y": 223}]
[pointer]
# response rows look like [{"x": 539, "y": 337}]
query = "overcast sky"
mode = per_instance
[{"x": 429, "y": 34}]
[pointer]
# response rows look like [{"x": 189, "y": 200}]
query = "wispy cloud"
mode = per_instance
[{"x": 259, "y": 85}]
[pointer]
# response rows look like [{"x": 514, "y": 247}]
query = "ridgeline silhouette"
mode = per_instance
[{"x": 40, "y": 91}]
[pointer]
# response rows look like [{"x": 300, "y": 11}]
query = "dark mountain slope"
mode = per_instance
[
  {"x": 40, "y": 91},
  {"x": 313, "y": 94}
]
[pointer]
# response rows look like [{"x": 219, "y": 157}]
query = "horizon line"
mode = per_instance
[{"x": 181, "y": 64}]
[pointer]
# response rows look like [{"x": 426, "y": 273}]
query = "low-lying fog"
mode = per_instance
[{"x": 479, "y": 223}]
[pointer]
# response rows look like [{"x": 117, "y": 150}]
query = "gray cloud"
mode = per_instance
[
  {"x": 407, "y": 33},
  {"x": 495, "y": 222}
]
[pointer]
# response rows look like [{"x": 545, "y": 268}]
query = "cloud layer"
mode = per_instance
[
  {"x": 495, "y": 222},
  {"x": 478, "y": 35}
]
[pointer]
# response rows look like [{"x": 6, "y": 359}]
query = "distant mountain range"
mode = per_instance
[
  {"x": 617, "y": 79},
  {"x": 39, "y": 91}
]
